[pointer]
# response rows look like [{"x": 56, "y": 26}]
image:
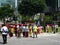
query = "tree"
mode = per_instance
[
  {"x": 6, "y": 11},
  {"x": 58, "y": 16},
  {"x": 31, "y": 7}
]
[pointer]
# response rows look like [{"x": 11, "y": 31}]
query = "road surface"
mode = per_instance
[{"x": 50, "y": 39}]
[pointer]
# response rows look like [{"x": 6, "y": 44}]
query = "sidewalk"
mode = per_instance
[
  {"x": 42, "y": 34},
  {"x": 47, "y": 34}
]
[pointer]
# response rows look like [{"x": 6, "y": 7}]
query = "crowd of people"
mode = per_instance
[
  {"x": 19, "y": 30},
  {"x": 25, "y": 30}
]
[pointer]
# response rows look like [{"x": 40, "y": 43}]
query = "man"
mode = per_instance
[{"x": 4, "y": 31}]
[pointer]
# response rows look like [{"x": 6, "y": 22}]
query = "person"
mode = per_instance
[
  {"x": 47, "y": 28},
  {"x": 38, "y": 29},
  {"x": 16, "y": 29},
  {"x": 10, "y": 34},
  {"x": 23, "y": 30},
  {"x": 4, "y": 31},
  {"x": 11, "y": 31},
  {"x": 53, "y": 28},
  {"x": 26, "y": 30},
  {"x": 56, "y": 28},
  {"x": 30, "y": 30},
  {"x": 34, "y": 31},
  {"x": 19, "y": 31}
]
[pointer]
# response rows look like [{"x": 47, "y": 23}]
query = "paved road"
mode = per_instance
[{"x": 43, "y": 39}]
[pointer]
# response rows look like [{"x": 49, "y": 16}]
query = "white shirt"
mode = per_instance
[
  {"x": 4, "y": 28},
  {"x": 56, "y": 26},
  {"x": 26, "y": 29},
  {"x": 23, "y": 28}
]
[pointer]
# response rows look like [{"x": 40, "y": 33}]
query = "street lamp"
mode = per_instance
[{"x": 16, "y": 10}]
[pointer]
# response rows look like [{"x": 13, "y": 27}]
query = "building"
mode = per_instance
[
  {"x": 13, "y": 3},
  {"x": 58, "y": 4},
  {"x": 2, "y": 2},
  {"x": 52, "y": 5}
]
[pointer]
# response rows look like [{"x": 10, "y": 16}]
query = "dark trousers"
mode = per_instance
[
  {"x": 26, "y": 34},
  {"x": 19, "y": 34},
  {"x": 10, "y": 34},
  {"x": 16, "y": 33},
  {"x": 34, "y": 34},
  {"x": 4, "y": 38},
  {"x": 23, "y": 34},
  {"x": 56, "y": 29}
]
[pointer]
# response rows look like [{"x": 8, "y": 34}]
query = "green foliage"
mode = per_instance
[
  {"x": 25, "y": 8},
  {"x": 6, "y": 11},
  {"x": 58, "y": 15},
  {"x": 48, "y": 18},
  {"x": 31, "y": 7}
]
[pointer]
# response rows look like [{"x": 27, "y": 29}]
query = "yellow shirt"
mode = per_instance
[
  {"x": 35, "y": 29},
  {"x": 12, "y": 30}
]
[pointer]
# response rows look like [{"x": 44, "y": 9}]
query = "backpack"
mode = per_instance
[{"x": 4, "y": 31}]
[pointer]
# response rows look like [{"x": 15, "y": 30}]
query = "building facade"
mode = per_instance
[
  {"x": 52, "y": 5},
  {"x": 59, "y": 5},
  {"x": 2, "y": 2},
  {"x": 13, "y": 3}
]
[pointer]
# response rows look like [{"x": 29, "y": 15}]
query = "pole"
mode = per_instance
[
  {"x": 15, "y": 3},
  {"x": 16, "y": 10}
]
